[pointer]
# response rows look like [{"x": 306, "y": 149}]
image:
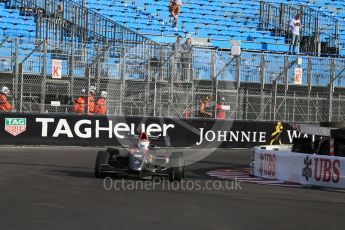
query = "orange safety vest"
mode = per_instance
[
  {"x": 4, "y": 104},
  {"x": 220, "y": 112},
  {"x": 101, "y": 106},
  {"x": 91, "y": 102},
  {"x": 79, "y": 106}
]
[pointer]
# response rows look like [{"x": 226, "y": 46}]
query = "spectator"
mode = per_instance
[
  {"x": 59, "y": 12},
  {"x": 177, "y": 46},
  {"x": 204, "y": 107},
  {"x": 91, "y": 99},
  {"x": 178, "y": 50},
  {"x": 174, "y": 8},
  {"x": 187, "y": 113},
  {"x": 220, "y": 112},
  {"x": 101, "y": 104},
  {"x": 5, "y": 106},
  {"x": 187, "y": 58},
  {"x": 295, "y": 25},
  {"x": 79, "y": 103}
]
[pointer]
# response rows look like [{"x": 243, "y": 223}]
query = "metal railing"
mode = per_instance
[
  {"x": 88, "y": 25},
  {"x": 319, "y": 32},
  {"x": 159, "y": 82}
]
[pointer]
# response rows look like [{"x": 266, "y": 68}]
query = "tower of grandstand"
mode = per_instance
[{"x": 124, "y": 47}]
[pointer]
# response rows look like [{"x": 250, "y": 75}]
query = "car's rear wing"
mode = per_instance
[
  {"x": 313, "y": 129},
  {"x": 324, "y": 129}
]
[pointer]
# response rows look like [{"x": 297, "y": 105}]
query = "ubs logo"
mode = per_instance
[
  {"x": 307, "y": 171},
  {"x": 267, "y": 165}
]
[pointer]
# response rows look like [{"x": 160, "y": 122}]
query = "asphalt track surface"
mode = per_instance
[{"x": 54, "y": 188}]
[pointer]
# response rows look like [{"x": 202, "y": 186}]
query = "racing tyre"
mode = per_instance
[
  {"x": 177, "y": 169},
  {"x": 102, "y": 158}
]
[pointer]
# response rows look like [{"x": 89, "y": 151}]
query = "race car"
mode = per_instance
[{"x": 140, "y": 161}]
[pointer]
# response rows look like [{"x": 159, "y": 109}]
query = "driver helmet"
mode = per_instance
[
  {"x": 143, "y": 142},
  {"x": 5, "y": 90}
]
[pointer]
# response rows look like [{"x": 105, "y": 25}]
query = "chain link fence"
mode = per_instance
[{"x": 152, "y": 80}]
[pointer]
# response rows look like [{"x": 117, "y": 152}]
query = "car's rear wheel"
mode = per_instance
[
  {"x": 102, "y": 158},
  {"x": 177, "y": 166}
]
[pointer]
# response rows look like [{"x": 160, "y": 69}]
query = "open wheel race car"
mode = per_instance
[{"x": 141, "y": 161}]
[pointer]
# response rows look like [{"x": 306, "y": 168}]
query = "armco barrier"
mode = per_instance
[
  {"x": 84, "y": 130},
  {"x": 305, "y": 169}
]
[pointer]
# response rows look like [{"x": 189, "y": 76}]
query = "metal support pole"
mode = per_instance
[
  {"x": 21, "y": 87},
  {"x": 262, "y": 84},
  {"x": 294, "y": 107},
  {"x": 274, "y": 99},
  {"x": 161, "y": 60},
  {"x": 123, "y": 79},
  {"x": 214, "y": 77},
  {"x": 331, "y": 91},
  {"x": 16, "y": 75},
  {"x": 238, "y": 72},
  {"x": 246, "y": 105},
  {"x": 88, "y": 88},
  {"x": 155, "y": 98},
  {"x": 98, "y": 68},
  {"x": 71, "y": 70},
  {"x": 309, "y": 75},
  {"x": 238, "y": 84},
  {"x": 286, "y": 76},
  {"x": 147, "y": 106},
  {"x": 44, "y": 77},
  {"x": 286, "y": 83}
]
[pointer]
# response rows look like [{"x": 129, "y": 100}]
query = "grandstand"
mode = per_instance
[{"x": 124, "y": 47}]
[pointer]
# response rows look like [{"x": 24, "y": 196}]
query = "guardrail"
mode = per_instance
[{"x": 305, "y": 169}]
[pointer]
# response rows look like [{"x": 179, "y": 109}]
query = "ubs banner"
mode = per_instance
[{"x": 49, "y": 129}]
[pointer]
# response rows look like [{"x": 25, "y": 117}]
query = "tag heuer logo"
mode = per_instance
[{"x": 15, "y": 126}]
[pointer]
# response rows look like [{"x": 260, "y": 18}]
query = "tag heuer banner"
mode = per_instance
[{"x": 51, "y": 129}]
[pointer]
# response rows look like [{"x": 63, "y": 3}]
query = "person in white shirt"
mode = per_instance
[{"x": 295, "y": 25}]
